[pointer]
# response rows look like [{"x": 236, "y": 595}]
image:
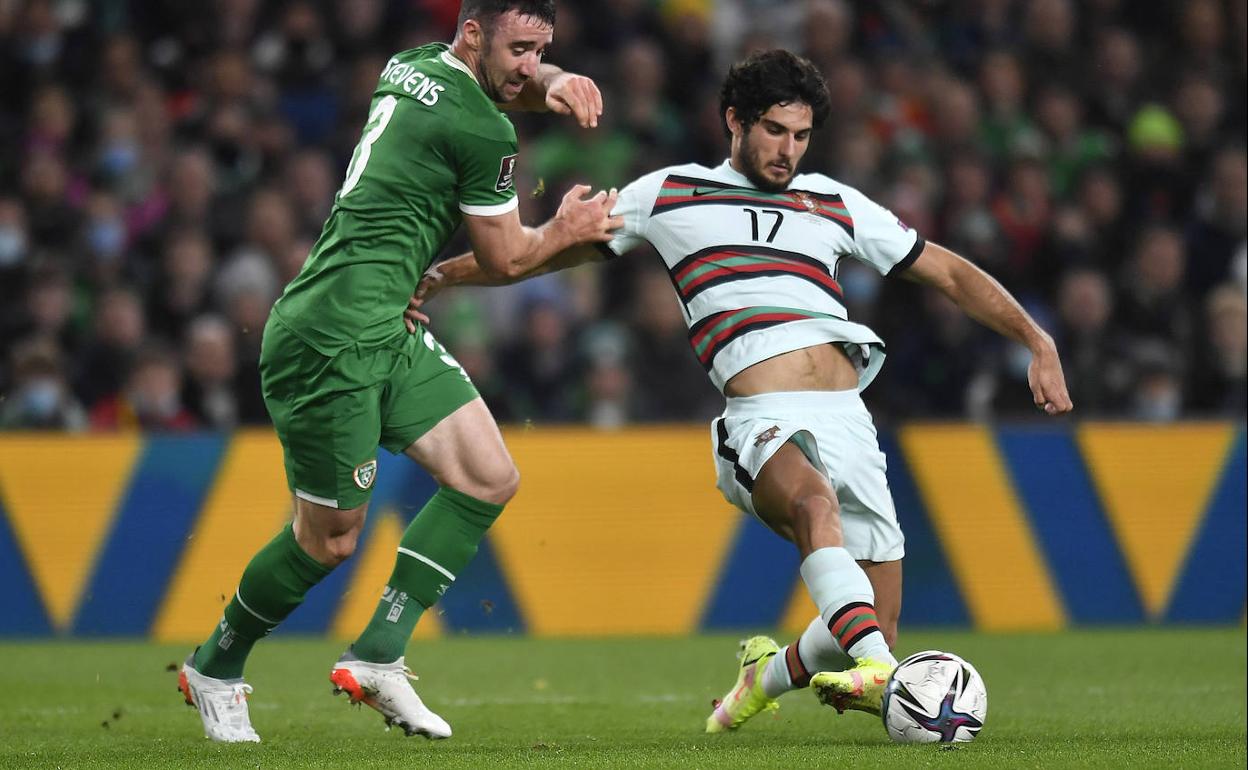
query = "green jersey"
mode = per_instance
[{"x": 435, "y": 147}]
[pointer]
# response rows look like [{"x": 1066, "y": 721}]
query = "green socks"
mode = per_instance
[
  {"x": 437, "y": 545},
  {"x": 272, "y": 586}
]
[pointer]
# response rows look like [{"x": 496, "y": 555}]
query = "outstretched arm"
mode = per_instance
[
  {"x": 505, "y": 250},
  {"x": 988, "y": 302},
  {"x": 465, "y": 270},
  {"x": 565, "y": 93}
]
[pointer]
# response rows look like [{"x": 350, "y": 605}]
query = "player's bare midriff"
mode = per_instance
[{"x": 821, "y": 367}]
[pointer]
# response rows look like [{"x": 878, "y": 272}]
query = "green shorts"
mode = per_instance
[{"x": 332, "y": 412}]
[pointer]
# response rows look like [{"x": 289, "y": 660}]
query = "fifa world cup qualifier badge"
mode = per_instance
[
  {"x": 365, "y": 474},
  {"x": 506, "y": 173}
]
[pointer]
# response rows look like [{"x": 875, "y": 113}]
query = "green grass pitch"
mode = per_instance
[{"x": 1102, "y": 699}]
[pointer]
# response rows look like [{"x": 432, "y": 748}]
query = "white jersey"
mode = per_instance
[{"x": 756, "y": 271}]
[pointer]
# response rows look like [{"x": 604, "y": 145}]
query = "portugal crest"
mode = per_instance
[
  {"x": 767, "y": 435},
  {"x": 807, "y": 201},
  {"x": 365, "y": 474}
]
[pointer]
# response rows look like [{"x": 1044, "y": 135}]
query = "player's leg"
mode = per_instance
[
  {"x": 816, "y": 650},
  {"x": 434, "y": 415},
  {"x": 873, "y": 537},
  {"x": 795, "y": 499},
  {"x": 885, "y": 579},
  {"x": 476, "y": 477},
  {"x": 329, "y": 438}
]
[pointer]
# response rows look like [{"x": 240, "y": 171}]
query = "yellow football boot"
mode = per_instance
[
  {"x": 746, "y": 698},
  {"x": 860, "y": 688}
]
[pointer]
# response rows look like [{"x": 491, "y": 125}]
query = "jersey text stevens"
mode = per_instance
[{"x": 418, "y": 84}]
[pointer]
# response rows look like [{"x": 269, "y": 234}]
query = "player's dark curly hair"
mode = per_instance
[
  {"x": 768, "y": 78},
  {"x": 487, "y": 11}
]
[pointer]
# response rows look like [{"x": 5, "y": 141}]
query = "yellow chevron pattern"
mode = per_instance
[
  {"x": 247, "y": 506},
  {"x": 983, "y": 528},
  {"x": 1155, "y": 503},
  {"x": 61, "y": 497},
  {"x": 613, "y": 532},
  {"x": 625, "y": 533}
]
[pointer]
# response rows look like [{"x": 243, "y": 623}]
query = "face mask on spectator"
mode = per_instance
[
  {"x": 12, "y": 246},
  {"x": 43, "y": 51},
  {"x": 161, "y": 408},
  {"x": 1158, "y": 405},
  {"x": 106, "y": 238},
  {"x": 118, "y": 159},
  {"x": 41, "y": 397}
]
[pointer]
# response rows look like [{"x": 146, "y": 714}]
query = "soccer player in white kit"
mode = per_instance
[{"x": 753, "y": 249}]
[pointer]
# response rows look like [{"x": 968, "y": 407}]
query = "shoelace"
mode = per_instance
[{"x": 239, "y": 692}]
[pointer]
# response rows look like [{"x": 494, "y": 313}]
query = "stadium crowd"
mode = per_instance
[{"x": 166, "y": 166}]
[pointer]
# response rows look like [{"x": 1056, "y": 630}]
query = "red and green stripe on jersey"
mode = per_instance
[
  {"x": 851, "y": 624},
  {"x": 713, "y": 333},
  {"x": 680, "y": 191},
  {"x": 721, "y": 264}
]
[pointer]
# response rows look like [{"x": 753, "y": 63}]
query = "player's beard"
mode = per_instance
[
  {"x": 751, "y": 166},
  {"x": 487, "y": 84}
]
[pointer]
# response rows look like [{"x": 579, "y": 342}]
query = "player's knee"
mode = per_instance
[
  {"x": 814, "y": 509},
  {"x": 336, "y": 550},
  {"x": 329, "y": 549},
  {"x": 501, "y": 485},
  {"x": 815, "y": 519}
]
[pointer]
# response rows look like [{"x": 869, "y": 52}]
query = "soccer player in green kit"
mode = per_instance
[{"x": 341, "y": 375}]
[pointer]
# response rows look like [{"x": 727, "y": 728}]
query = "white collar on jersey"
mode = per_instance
[{"x": 454, "y": 61}]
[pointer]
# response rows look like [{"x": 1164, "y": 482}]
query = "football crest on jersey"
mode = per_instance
[
  {"x": 807, "y": 201},
  {"x": 767, "y": 435},
  {"x": 365, "y": 474}
]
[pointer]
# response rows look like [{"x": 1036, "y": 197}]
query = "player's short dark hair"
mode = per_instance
[
  {"x": 768, "y": 78},
  {"x": 486, "y": 12}
]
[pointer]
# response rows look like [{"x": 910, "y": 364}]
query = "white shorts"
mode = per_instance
[{"x": 835, "y": 431}]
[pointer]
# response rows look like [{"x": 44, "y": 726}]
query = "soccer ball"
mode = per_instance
[{"x": 934, "y": 696}]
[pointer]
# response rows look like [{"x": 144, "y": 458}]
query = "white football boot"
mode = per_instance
[
  {"x": 387, "y": 688},
  {"x": 222, "y": 705}
]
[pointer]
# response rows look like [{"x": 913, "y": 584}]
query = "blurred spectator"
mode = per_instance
[
  {"x": 672, "y": 386},
  {"x": 118, "y": 331},
  {"x": 1116, "y": 90},
  {"x": 1220, "y": 225},
  {"x": 1158, "y": 393},
  {"x": 182, "y": 287},
  {"x": 1095, "y": 355},
  {"x": 14, "y": 248},
  {"x": 541, "y": 367},
  {"x": 151, "y": 398},
  {"x": 1071, "y": 146},
  {"x": 1023, "y": 211},
  {"x": 310, "y": 185},
  {"x": 1005, "y": 126},
  {"x": 610, "y": 397},
  {"x": 1152, "y": 305},
  {"x": 211, "y": 368},
  {"x": 40, "y": 398},
  {"x": 49, "y": 308},
  {"x": 929, "y": 369},
  {"x": 1218, "y": 382}
]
